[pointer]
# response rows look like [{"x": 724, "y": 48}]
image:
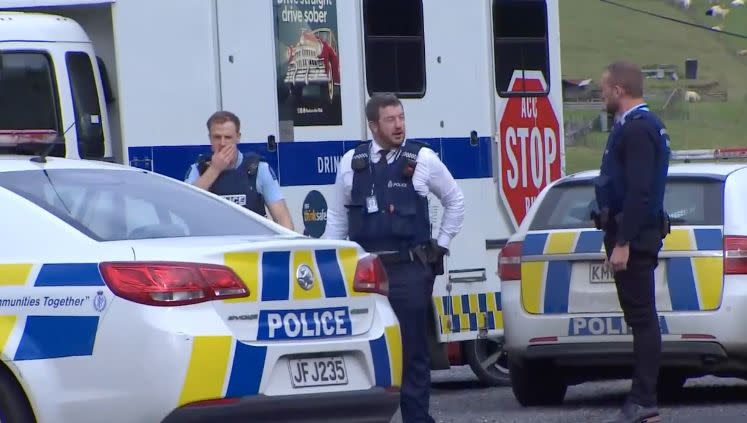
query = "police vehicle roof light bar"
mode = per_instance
[
  {"x": 710, "y": 154},
  {"x": 14, "y": 137}
]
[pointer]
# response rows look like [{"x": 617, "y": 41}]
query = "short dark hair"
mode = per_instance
[
  {"x": 628, "y": 75},
  {"x": 379, "y": 101},
  {"x": 224, "y": 116}
]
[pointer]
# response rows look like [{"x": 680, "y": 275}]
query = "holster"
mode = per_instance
[
  {"x": 665, "y": 225},
  {"x": 431, "y": 254},
  {"x": 601, "y": 219}
]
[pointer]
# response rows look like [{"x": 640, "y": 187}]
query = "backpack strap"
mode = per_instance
[{"x": 361, "y": 157}]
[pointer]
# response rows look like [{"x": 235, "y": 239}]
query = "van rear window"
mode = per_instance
[{"x": 689, "y": 201}]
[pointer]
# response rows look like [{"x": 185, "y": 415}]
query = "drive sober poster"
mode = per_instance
[{"x": 308, "y": 62}]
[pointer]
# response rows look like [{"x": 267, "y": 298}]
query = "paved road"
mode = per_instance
[{"x": 458, "y": 398}]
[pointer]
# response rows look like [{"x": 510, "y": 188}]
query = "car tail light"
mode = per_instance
[
  {"x": 509, "y": 262},
  {"x": 370, "y": 276},
  {"x": 172, "y": 283},
  {"x": 735, "y": 255}
]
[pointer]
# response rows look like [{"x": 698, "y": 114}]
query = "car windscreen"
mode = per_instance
[
  {"x": 110, "y": 205},
  {"x": 688, "y": 200}
]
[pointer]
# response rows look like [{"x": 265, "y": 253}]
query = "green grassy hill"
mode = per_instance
[{"x": 593, "y": 34}]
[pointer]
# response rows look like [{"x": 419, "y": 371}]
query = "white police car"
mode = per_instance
[
  {"x": 127, "y": 296},
  {"x": 563, "y": 321}
]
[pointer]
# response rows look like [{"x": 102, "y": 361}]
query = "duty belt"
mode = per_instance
[{"x": 392, "y": 257}]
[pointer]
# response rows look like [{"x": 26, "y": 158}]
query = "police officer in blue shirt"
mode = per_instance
[
  {"x": 245, "y": 179},
  {"x": 380, "y": 203},
  {"x": 630, "y": 201}
]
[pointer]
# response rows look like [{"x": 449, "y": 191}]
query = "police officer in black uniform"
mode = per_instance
[
  {"x": 380, "y": 203},
  {"x": 245, "y": 179},
  {"x": 630, "y": 200}
]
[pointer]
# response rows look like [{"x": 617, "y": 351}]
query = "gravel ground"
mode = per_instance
[{"x": 457, "y": 397}]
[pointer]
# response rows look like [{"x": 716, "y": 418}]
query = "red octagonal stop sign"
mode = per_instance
[{"x": 529, "y": 145}]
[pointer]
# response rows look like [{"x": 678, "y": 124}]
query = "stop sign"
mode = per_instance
[{"x": 529, "y": 145}]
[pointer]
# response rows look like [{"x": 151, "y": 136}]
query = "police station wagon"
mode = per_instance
[
  {"x": 563, "y": 321},
  {"x": 128, "y": 296}
]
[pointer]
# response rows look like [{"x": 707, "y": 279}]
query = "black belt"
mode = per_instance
[{"x": 393, "y": 257}]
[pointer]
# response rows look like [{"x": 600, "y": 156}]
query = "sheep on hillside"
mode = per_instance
[
  {"x": 692, "y": 96},
  {"x": 717, "y": 11}
]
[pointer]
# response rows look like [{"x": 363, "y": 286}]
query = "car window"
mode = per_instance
[
  {"x": 689, "y": 201},
  {"x": 110, "y": 205}
]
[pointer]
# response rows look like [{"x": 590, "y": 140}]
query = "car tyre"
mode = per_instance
[
  {"x": 536, "y": 383},
  {"x": 328, "y": 89},
  {"x": 14, "y": 407},
  {"x": 488, "y": 360}
]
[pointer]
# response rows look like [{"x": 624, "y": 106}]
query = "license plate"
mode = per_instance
[
  {"x": 318, "y": 371},
  {"x": 600, "y": 273}
]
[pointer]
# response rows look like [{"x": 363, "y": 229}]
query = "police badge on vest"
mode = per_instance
[
  {"x": 238, "y": 185},
  {"x": 386, "y": 214}
]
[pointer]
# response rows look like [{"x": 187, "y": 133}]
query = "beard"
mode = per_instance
[
  {"x": 612, "y": 107},
  {"x": 392, "y": 141}
]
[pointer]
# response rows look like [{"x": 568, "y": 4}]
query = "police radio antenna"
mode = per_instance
[
  {"x": 60, "y": 139},
  {"x": 42, "y": 158}
]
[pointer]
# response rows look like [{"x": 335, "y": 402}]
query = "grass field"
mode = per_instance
[{"x": 593, "y": 34}]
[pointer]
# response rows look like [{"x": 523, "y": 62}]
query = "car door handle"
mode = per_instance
[{"x": 467, "y": 275}]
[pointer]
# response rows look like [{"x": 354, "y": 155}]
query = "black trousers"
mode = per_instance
[
  {"x": 636, "y": 292},
  {"x": 410, "y": 288}
]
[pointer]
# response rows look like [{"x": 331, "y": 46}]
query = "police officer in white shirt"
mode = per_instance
[{"x": 380, "y": 202}]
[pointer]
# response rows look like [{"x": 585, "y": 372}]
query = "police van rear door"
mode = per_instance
[{"x": 563, "y": 268}]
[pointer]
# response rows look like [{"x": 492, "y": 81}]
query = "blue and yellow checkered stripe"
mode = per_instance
[
  {"x": 47, "y": 336},
  {"x": 695, "y": 283},
  {"x": 469, "y": 312},
  {"x": 270, "y": 275}
]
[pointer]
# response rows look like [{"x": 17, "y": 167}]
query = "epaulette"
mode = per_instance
[
  {"x": 203, "y": 162},
  {"x": 361, "y": 157},
  {"x": 252, "y": 162},
  {"x": 410, "y": 153}
]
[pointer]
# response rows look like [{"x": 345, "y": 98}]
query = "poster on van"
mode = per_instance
[{"x": 308, "y": 62}]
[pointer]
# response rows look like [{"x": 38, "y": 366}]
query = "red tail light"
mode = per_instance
[
  {"x": 735, "y": 255},
  {"x": 370, "y": 276},
  {"x": 172, "y": 284},
  {"x": 509, "y": 262}
]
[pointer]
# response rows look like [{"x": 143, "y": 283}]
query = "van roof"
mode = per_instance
[
  {"x": 25, "y": 26},
  {"x": 678, "y": 169}
]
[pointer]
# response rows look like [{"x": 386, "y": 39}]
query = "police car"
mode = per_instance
[
  {"x": 128, "y": 296},
  {"x": 563, "y": 321}
]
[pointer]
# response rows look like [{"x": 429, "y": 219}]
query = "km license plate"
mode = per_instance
[
  {"x": 601, "y": 273},
  {"x": 318, "y": 371}
]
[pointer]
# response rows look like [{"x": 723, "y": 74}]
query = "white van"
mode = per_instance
[{"x": 134, "y": 81}]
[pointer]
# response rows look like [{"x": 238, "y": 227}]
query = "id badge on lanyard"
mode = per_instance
[{"x": 371, "y": 205}]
